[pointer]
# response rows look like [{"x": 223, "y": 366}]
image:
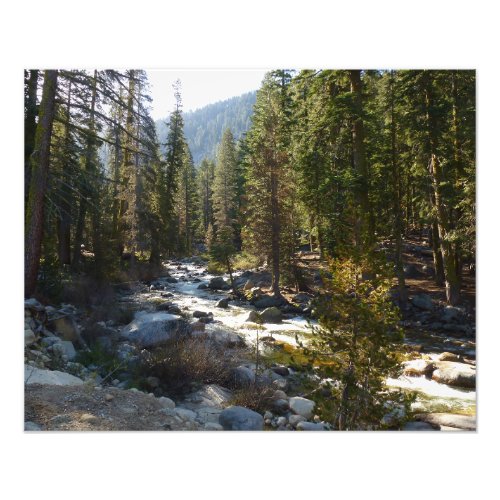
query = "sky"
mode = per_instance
[{"x": 199, "y": 87}]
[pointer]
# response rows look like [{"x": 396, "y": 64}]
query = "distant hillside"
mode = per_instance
[{"x": 204, "y": 127}]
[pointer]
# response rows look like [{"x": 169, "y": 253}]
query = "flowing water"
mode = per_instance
[{"x": 431, "y": 395}]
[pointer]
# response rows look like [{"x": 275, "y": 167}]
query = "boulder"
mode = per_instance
[
  {"x": 67, "y": 329},
  {"x": 65, "y": 348},
  {"x": 218, "y": 283},
  {"x": 419, "y": 426},
  {"x": 248, "y": 285},
  {"x": 451, "y": 314},
  {"x": 455, "y": 374},
  {"x": 254, "y": 317},
  {"x": 448, "y": 356},
  {"x": 34, "y": 375},
  {"x": 212, "y": 395},
  {"x": 223, "y": 303},
  {"x": 200, "y": 314},
  {"x": 464, "y": 422},
  {"x": 166, "y": 403},
  {"x": 280, "y": 406},
  {"x": 29, "y": 336},
  {"x": 33, "y": 305},
  {"x": 238, "y": 418},
  {"x": 411, "y": 271},
  {"x": 243, "y": 376},
  {"x": 278, "y": 394},
  {"x": 281, "y": 370},
  {"x": 153, "y": 329},
  {"x": 185, "y": 414},
  {"x": 294, "y": 420},
  {"x": 423, "y": 301},
  {"x": 268, "y": 301},
  {"x": 202, "y": 286},
  {"x": 302, "y": 298},
  {"x": 31, "y": 426},
  {"x": 271, "y": 315},
  {"x": 302, "y": 406},
  {"x": 310, "y": 426},
  {"x": 418, "y": 367},
  {"x": 213, "y": 426}
]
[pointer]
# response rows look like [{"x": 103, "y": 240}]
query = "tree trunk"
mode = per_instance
[
  {"x": 39, "y": 172},
  {"x": 364, "y": 231},
  {"x": 64, "y": 221},
  {"x": 275, "y": 228},
  {"x": 29, "y": 127},
  {"x": 452, "y": 280},
  {"x": 398, "y": 226},
  {"x": 80, "y": 225}
]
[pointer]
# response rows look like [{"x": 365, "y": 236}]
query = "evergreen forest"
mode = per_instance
[{"x": 303, "y": 256}]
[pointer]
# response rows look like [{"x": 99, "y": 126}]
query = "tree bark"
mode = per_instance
[
  {"x": 64, "y": 221},
  {"x": 31, "y": 83},
  {"x": 452, "y": 280},
  {"x": 364, "y": 231},
  {"x": 398, "y": 226},
  {"x": 85, "y": 188},
  {"x": 39, "y": 172}
]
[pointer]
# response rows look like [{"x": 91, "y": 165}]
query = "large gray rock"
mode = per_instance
[
  {"x": 238, "y": 418},
  {"x": 254, "y": 317},
  {"x": 67, "y": 329},
  {"x": 33, "y": 305},
  {"x": 419, "y": 426},
  {"x": 223, "y": 303},
  {"x": 451, "y": 314},
  {"x": 418, "y": 367},
  {"x": 423, "y": 301},
  {"x": 34, "y": 375},
  {"x": 310, "y": 426},
  {"x": 212, "y": 395},
  {"x": 464, "y": 422},
  {"x": 153, "y": 329},
  {"x": 243, "y": 376},
  {"x": 31, "y": 426},
  {"x": 455, "y": 374},
  {"x": 271, "y": 315},
  {"x": 65, "y": 348},
  {"x": 29, "y": 336},
  {"x": 302, "y": 406},
  {"x": 218, "y": 283},
  {"x": 267, "y": 301}
]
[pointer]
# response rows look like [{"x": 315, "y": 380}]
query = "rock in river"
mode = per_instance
[
  {"x": 152, "y": 329},
  {"x": 238, "y": 418},
  {"x": 271, "y": 315},
  {"x": 34, "y": 375},
  {"x": 455, "y": 374}
]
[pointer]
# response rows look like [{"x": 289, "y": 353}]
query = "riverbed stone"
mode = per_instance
[
  {"x": 67, "y": 329},
  {"x": 294, "y": 420},
  {"x": 153, "y": 329},
  {"x": 302, "y": 406},
  {"x": 310, "y": 426},
  {"x": 238, "y": 418},
  {"x": 254, "y": 317},
  {"x": 455, "y": 374},
  {"x": 65, "y": 348},
  {"x": 200, "y": 314},
  {"x": 423, "y": 301},
  {"x": 271, "y": 315},
  {"x": 448, "y": 356},
  {"x": 33, "y": 375},
  {"x": 418, "y": 367},
  {"x": 29, "y": 336},
  {"x": 223, "y": 303},
  {"x": 419, "y": 426},
  {"x": 268, "y": 301},
  {"x": 463, "y": 422},
  {"x": 218, "y": 283},
  {"x": 243, "y": 376}
]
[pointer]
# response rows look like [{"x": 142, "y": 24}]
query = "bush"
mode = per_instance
[
  {"x": 185, "y": 362},
  {"x": 257, "y": 397}
]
